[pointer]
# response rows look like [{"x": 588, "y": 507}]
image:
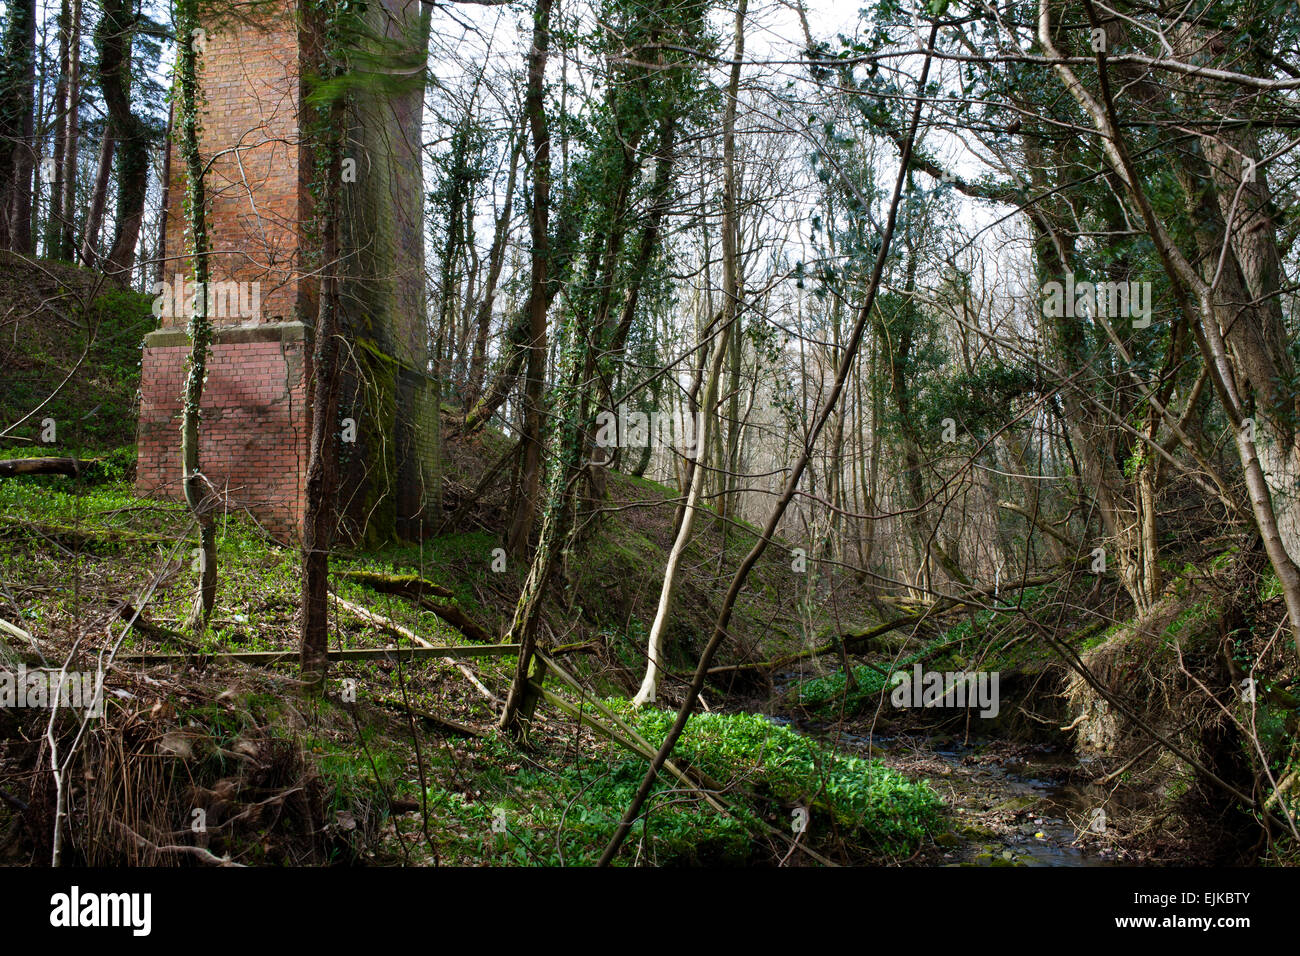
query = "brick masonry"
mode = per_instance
[
  {"x": 254, "y": 433},
  {"x": 255, "y": 424}
]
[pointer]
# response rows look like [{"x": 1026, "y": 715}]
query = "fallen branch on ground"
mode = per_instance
[
  {"x": 858, "y": 641},
  {"x": 198, "y": 852},
  {"x": 405, "y": 585},
  {"x": 850, "y": 643},
  {"x": 13, "y": 630},
  {"x": 455, "y": 726},
  {"x": 76, "y": 538},
  {"x": 131, "y": 615},
  {"x": 13, "y": 467},
  {"x": 417, "y": 589},
  {"x": 388, "y": 624},
  {"x": 381, "y": 622}
]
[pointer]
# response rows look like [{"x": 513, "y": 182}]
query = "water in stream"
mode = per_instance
[{"x": 1009, "y": 804}]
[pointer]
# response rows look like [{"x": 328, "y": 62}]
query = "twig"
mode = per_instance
[{"x": 198, "y": 852}]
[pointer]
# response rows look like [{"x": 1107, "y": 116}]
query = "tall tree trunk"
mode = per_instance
[
  {"x": 53, "y": 239},
  {"x": 200, "y": 497},
  {"x": 456, "y": 215},
  {"x": 320, "y": 515},
  {"x": 42, "y": 108},
  {"x": 1229, "y": 171},
  {"x": 655, "y": 650},
  {"x": 730, "y": 482},
  {"x": 72, "y": 135},
  {"x": 90, "y": 253},
  {"x": 25, "y": 158},
  {"x": 17, "y": 127},
  {"x": 496, "y": 260},
  {"x": 656, "y": 646},
  {"x": 514, "y": 350},
  {"x": 930, "y": 550},
  {"x": 114, "y": 38},
  {"x": 535, "y": 377},
  {"x": 568, "y": 438},
  {"x": 1237, "y": 347},
  {"x": 830, "y": 541}
]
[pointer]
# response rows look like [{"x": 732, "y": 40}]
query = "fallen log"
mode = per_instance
[
  {"x": 404, "y": 585},
  {"x": 417, "y": 589},
  {"x": 71, "y": 538},
  {"x": 855, "y": 641},
  {"x": 391, "y": 626},
  {"x": 460, "y": 621},
  {"x": 849, "y": 643},
  {"x": 446, "y": 723},
  {"x": 13, "y": 467}
]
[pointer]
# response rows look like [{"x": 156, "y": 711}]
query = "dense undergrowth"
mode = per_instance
[{"x": 414, "y": 770}]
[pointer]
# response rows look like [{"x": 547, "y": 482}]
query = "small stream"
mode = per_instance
[
  {"x": 1009, "y": 804},
  {"x": 1034, "y": 811}
]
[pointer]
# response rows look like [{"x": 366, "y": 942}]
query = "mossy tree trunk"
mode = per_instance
[
  {"x": 199, "y": 495},
  {"x": 320, "y": 518},
  {"x": 534, "y": 381},
  {"x": 567, "y": 437},
  {"x": 1245, "y": 353}
]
